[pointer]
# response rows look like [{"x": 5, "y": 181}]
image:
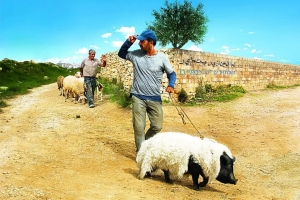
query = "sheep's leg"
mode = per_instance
[
  {"x": 148, "y": 174},
  {"x": 66, "y": 94},
  {"x": 204, "y": 182},
  {"x": 195, "y": 170},
  {"x": 167, "y": 177}
]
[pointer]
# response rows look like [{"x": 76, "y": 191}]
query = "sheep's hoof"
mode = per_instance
[
  {"x": 169, "y": 181},
  {"x": 202, "y": 184},
  {"x": 148, "y": 174},
  {"x": 196, "y": 187}
]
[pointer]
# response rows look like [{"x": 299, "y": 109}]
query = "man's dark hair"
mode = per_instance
[{"x": 154, "y": 41}]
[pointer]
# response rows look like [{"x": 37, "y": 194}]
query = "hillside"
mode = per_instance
[{"x": 18, "y": 77}]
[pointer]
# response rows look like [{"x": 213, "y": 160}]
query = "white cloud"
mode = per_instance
[
  {"x": 53, "y": 60},
  {"x": 269, "y": 55},
  {"x": 247, "y": 44},
  {"x": 106, "y": 42},
  {"x": 94, "y": 46},
  {"x": 251, "y": 33},
  {"x": 117, "y": 43},
  {"x": 57, "y": 60},
  {"x": 106, "y": 35},
  {"x": 224, "y": 53},
  {"x": 82, "y": 51},
  {"x": 126, "y": 31},
  {"x": 256, "y": 58},
  {"x": 253, "y": 51},
  {"x": 194, "y": 48},
  {"x": 236, "y": 49},
  {"x": 226, "y": 49}
]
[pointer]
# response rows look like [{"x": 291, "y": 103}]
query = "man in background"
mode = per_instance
[{"x": 88, "y": 69}]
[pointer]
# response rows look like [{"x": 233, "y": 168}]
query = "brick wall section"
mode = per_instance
[{"x": 215, "y": 69}]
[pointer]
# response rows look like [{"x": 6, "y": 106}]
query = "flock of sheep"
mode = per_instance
[{"x": 74, "y": 87}]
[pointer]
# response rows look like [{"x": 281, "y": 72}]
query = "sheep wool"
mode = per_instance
[
  {"x": 60, "y": 84},
  {"x": 68, "y": 83},
  {"x": 73, "y": 86},
  {"x": 171, "y": 151}
]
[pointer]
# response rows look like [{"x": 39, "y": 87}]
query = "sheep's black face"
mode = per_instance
[{"x": 226, "y": 172}]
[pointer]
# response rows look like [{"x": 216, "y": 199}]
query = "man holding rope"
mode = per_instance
[{"x": 149, "y": 66}]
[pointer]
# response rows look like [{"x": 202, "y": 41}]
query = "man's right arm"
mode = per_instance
[
  {"x": 124, "y": 49},
  {"x": 81, "y": 68}
]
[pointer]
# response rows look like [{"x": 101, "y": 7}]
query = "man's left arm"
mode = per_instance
[{"x": 172, "y": 80}]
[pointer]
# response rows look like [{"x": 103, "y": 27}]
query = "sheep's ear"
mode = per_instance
[
  {"x": 225, "y": 159},
  {"x": 233, "y": 158}
]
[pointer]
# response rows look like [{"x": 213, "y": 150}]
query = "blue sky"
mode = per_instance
[{"x": 64, "y": 30}]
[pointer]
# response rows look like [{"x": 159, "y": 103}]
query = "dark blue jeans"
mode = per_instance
[{"x": 90, "y": 84}]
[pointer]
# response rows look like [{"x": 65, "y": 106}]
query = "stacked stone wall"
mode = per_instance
[{"x": 193, "y": 67}]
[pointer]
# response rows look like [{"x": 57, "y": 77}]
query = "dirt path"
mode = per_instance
[{"x": 48, "y": 153}]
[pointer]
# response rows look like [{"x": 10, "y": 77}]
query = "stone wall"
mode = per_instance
[{"x": 192, "y": 67}]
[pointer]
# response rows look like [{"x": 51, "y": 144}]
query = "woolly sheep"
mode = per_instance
[
  {"x": 77, "y": 74},
  {"x": 60, "y": 84},
  {"x": 74, "y": 87},
  {"x": 178, "y": 154},
  {"x": 79, "y": 90}
]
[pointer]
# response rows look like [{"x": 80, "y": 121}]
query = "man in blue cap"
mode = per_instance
[{"x": 149, "y": 66}]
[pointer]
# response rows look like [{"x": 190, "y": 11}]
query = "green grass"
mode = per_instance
[
  {"x": 18, "y": 77},
  {"x": 221, "y": 93},
  {"x": 273, "y": 86},
  {"x": 116, "y": 92}
]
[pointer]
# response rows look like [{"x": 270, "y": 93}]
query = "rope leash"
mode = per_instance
[{"x": 181, "y": 113}]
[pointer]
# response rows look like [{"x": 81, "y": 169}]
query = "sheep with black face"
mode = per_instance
[{"x": 177, "y": 154}]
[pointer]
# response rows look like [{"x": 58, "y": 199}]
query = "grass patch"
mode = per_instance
[
  {"x": 116, "y": 91},
  {"x": 273, "y": 86},
  {"x": 18, "y": 77},
  {"x": 221, "y": 93}
]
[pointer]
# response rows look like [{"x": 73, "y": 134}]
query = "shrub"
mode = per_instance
[
  {"x": 182, "y": 97},
  {"x": 116, "y": 92}
]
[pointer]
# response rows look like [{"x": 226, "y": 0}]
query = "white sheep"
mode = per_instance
[
  {"x": 77, "y": 74},
  {"x": 74, "y": 87},
  {"x": 60, "y": 84},
  {"x": 178, "y": 154},
  {"x": 79, "y": 89},
  {"x": 67, "y": 86}
]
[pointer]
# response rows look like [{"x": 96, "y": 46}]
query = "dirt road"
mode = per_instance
[{"x": 48, "y": 153}]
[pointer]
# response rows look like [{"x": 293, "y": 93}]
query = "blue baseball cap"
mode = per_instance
[{"x": 147, "y": 34}]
